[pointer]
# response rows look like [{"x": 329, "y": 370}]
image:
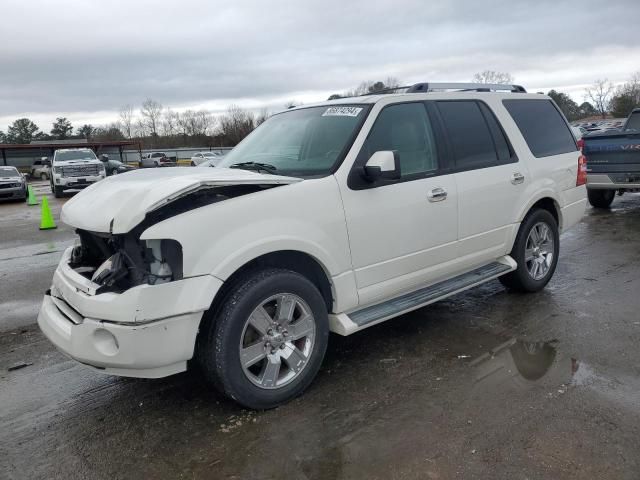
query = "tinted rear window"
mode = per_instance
[
  {"x": 469, "y": 133},
  {"x": 542, "y": 126}
]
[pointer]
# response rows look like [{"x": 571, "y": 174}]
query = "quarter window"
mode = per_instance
[
  {"x": 471, "y": 139},
  {"x": 542, "y": 126},
  {"x": 406, "y": 129}
]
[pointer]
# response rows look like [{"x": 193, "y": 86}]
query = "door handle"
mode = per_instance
[
  {"x": 517, "y": 178},
  {"x": 437, "y": 194}
]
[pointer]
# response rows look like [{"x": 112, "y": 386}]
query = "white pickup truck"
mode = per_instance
[
  {"x": 328, "y": 218},
  {"x": 74, "y": 168}
]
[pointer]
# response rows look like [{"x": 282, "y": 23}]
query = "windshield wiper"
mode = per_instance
[{"x": 257, "y": 166}]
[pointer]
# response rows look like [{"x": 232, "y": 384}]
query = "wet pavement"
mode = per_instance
[{"x": 487, "y": 384}]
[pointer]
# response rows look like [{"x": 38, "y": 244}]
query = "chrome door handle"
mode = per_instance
[
  {"x": 517, "y": 178},
  {"x": 437, "y": 194}
]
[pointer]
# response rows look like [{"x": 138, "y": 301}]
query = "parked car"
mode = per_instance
[
  {"x": 330, "y": 217},
  {"x": 114, "y": 167},
  {"x": 200, "y": 157},
  {"x": 75, "y": 168},
  {"x": 613, "y": 162},
  {"x": 41, "y": 169},
  {"x": 13, "y": 185},
  {"x": 156, "y": 159}
]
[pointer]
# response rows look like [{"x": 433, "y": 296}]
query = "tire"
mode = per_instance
[
  {"x": 527, "y": 277},
  {"x": 43, "y": 176},
  {"x": 156, "y": 164},
  {"x": 252, "y": 384},
  {"x": 58, "y": 192},
  {"x": 601, "y": 198}
]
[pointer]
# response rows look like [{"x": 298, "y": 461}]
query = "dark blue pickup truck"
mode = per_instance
[{"x": 613, "y": 162}]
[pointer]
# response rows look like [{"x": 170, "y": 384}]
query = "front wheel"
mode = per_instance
[
  {"x": 601, "y": 198},
  {"x": 57, "y": 191},
  {"x": 535, "y": 251},
  {"x": 268, "y": 339}
]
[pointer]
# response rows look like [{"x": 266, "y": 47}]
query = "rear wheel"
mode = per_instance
[
  {"x": 268, "y": 339},
  {"x": 601, "y": 198},
  {"x": 535, "y": 251},
  {"x": 43, "y": 176}
]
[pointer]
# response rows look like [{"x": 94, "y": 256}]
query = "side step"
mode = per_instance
[{"x": 346, "y": 324}]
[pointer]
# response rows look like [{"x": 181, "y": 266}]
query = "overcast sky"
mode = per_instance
[{"x": 83, "y": 59}]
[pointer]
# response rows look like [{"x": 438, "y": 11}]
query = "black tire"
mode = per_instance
[
  {"x": 43, "y": 177},
  {"x": 520, "y": 279},
  {"x": 601, "y": 198},
  {"x": 218, "y": 346},
  {"x": 58, "y": 192}
]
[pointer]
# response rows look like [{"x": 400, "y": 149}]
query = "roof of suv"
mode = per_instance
[{"x": 441, "y": 90}]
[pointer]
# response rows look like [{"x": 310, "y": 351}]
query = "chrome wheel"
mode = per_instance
[
  {"x": 539, "y": 251},
  {"x": 277, "y": 340}
]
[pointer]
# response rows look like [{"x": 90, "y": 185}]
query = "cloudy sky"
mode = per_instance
[{"x": 85, "y": 58}]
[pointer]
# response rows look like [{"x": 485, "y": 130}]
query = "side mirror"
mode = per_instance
[
  {"x": 104, "y": 157},
  {"x": 383, "y": 164}
]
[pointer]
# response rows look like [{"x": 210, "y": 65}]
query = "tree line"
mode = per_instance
[{"x": 156, "y": 126}]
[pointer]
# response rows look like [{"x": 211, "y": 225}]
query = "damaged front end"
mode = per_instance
[{"x": 118, "y": 262}]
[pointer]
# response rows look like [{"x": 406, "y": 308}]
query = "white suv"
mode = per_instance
[
  {"x": 327, "y": 218},
  {"x": 74, "y": 168}
]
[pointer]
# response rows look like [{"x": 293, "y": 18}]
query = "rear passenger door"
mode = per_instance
[{"x": 490, "y": 179}]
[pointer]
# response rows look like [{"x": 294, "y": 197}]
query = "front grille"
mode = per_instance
[
  {"x": 80, "y": 170},
  {"x": 9, "y": 185}
]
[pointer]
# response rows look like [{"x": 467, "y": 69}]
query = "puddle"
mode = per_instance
[{"x": 524, "y": 364}]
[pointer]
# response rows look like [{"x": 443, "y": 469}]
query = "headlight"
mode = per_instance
[{"x": 57, "y": 170}]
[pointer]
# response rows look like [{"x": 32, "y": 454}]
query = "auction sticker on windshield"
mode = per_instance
[{"x": 342, "y": 112}]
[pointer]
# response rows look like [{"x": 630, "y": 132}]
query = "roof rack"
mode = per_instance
[{"x": 461, "y": 87}]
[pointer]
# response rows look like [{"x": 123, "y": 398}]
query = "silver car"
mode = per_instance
[{"x": 13, "y": 186}]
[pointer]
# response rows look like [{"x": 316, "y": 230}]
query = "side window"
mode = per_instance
[
  {"x": 406, "y": 129},
  {"x": 542, "y": 126},
  {"x": 471, "y": 140}
]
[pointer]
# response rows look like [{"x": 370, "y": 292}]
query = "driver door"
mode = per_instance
[{"x": 403, "y": 231}]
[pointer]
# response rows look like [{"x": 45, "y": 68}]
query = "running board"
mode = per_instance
[{"x": 346, "y": 324}]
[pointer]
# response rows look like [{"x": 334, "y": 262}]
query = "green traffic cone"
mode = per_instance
[
  {"x": 31, "y": 197},
  {"x": 46, "y": 218}
]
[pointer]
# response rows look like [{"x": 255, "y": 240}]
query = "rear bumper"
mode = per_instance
[
  {"x": 604, "y": 181},
  {"x": 573, "y": 212},
  {"x": 147, "y": 331}
]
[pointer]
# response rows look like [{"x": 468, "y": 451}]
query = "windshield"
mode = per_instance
[
  {"x": 9, "y": 172},
  {"x": 75, "y": 155},
  {"x": 300, "y": 143}
]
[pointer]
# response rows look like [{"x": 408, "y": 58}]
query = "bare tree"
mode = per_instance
[
  {"x": 262, "y": 116},
  {"x": 236, "y": 124},
  {"x": 491, "y": 76},
  {"x": 169, "y": 122},
  {"x": 140, "y": 129},
  {"x": 126, "y": 120},
  {"x": 600, "y": 94},
  {"x": 151, "y": 112}
]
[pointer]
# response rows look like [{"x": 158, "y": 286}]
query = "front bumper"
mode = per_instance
[
  {"x": 13, "y": 193},
  {"x": 148, "y": 331},
  {"x": 76, "y": 182}
]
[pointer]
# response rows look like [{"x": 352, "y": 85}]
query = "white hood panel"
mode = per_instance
[{"x": 125, "y": 199}]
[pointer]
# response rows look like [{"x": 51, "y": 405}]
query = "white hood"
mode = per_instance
[{"x": 118, "y": 203}]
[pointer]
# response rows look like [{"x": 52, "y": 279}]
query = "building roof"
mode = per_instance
[{"x": 83, "y": 143}]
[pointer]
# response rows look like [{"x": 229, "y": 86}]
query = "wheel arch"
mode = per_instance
[
  {"x": 294, "y": 260},
  {"x": 545, "y": 202}
]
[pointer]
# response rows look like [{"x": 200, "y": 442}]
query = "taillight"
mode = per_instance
[
  {"x": 581, "y": 178},
  {"x": 580, "y": 143}
]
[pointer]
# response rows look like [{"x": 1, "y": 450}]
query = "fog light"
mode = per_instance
[{"x": 105, "y": 342}]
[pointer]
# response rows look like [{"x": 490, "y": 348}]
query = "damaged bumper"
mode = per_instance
[{"x": 147, "y": 331}]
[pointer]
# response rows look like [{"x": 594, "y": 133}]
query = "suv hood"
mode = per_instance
[
  {"x": 119, "y": 203},
  {"x": 61, "y": 163}
]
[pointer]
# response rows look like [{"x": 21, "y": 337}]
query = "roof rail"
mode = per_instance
[{"x": 465, "y": 87}]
